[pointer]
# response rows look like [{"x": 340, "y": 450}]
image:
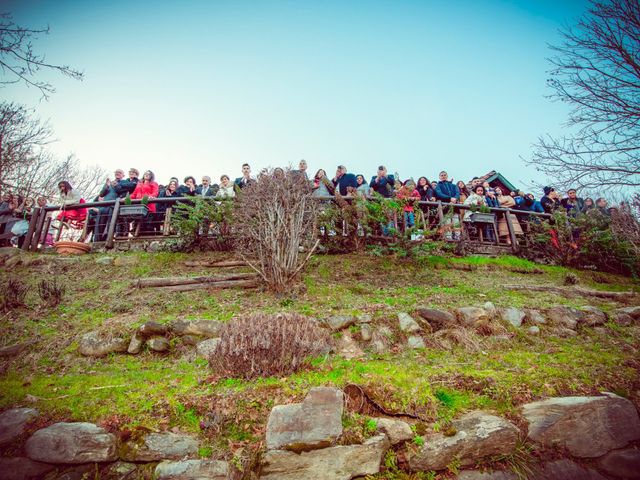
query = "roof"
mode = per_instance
[{"x": 495, "y": 179}]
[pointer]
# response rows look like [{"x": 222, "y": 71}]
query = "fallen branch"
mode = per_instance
[
  {"x": 211, "y": 263},
  {"x": 14, "y": 350},
  {"x": 572, "y": 291},
  {"x": 172, "y": 281},
  {"x": 212, "y": 285}
]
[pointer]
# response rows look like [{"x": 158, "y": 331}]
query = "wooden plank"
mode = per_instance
[
  {"x": 211, "y": 263},
  {"x": 512, "y": 233},
  {"x": 172, "y": 281},
  {"x": 35, "y": 239},
  {"x": 112, "y": 224},
  {"x": 215, "y": 285}
]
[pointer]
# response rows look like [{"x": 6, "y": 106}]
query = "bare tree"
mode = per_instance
[
  {"x": 596, "y": 70},
  {"x": 18, "y": 61},
  {"x": 273, "y": 220}
]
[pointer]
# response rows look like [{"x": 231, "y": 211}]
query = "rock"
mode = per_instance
[
  {"x": 514, "y": 316},
  {"x": 623, "y": 319},
  {"x": 366, "y": 332},
  {"x": 622, "y": 463},
  {"x": 13, "y": 423},
  {"x": 154, "y": 246},
  {"x": 438, "y": 319},
  {"x": 564, "y": 332},
  {"x": 564, "y": 470},
  {"x": 415, "y": 342},
  {"x": 469, "y": 316},
  {"x": 192, "y": 470},
  {"x": 533, "y": 330},
  {"x": 21, "y": 468},
  {"x": 586, "y": 426},
  {"x": 135, "y": 345},
  {"x": 97, "y": 344},
  {"x": 314, "y": 423},
  {"x": 158, "y": 344},
  {"x": 379, "y": 347},
  {"x": 190, "y": 340},
  {"x": 396, "y": 431},
  {"x": 72, "y": 443},
  {"x": 478, "y": 435},
  {"x": 565, "y": 316},
  {"x": 150, "y": 329},
  {"x": 338, "y": 322},
  {"x": 364, "y": 318},
  {"x": 593, "y": 316},
  {"x": 348, "y": 348},
  {"x": 79, "y": 472},
  {"x": 633, "y": 312},
  {"x": 119, "y": 471},
  {"x": 535, "y": 317},
  {"x": 407, "y": 323},
  {"x": 205, "y": 348},
  {"x": 159, "y": 446},
  {"x": 202, "y": 328},
  {"x": 105, "y": 261},
  {"x": 334, "y": 463},
  {"x": 496, "y": 475},
  {"x": 126, "y": 260},
  {"x": 490, "y": 308}
]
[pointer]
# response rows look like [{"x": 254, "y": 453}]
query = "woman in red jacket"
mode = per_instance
[{"x": 147, "y": 186}]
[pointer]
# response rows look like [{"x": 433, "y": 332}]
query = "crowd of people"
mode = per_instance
[{"x": 15, "y": 210}]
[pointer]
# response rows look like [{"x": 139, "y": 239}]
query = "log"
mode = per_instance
[
  {"x": 214, "y": 285},
  {"x": 211, "y": 263},
  {"x": 174, "y": 281},
  {"x": 13, "y": 350},
  {"x": 572, "y": 291}
]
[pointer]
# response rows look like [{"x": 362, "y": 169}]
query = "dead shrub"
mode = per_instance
[
  {"x": 51, "y": 292},
  {"x": 12, "y": 294},
  {"x": 263, "y": 345}
]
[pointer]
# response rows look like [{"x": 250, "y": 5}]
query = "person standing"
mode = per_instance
[
  {"x": 342, "y": 180},
  {"x": 245, "y": 179},
  {"x": 447, "y": 192},
  {"x": 382, "y": 183}
]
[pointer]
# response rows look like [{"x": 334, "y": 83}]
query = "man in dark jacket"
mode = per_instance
[
  {"x": 245, "y": 179},
  {"x": 109, "y": 192},
  {"x": 342, "y": 180},
  {"x": 382, "y": 183},
  {"x": 447, "y": 191},
  {"x": 129, "y": 185},
  {"x": 572, "y": 204},
  {"x": 205, "y": 189}
]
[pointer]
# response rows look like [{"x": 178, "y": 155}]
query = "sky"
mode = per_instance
[{"x": 201, "y": 87}]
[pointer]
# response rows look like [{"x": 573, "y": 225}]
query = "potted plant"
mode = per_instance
[
  {"x": 134, "y": 211},
  {"x": 483, "y": 215},
  {"x": 66, "y": 247}
]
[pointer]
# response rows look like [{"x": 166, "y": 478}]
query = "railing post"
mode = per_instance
[
  {"x": 512, "y": 233},
  {"x": 32, "y": 226},
  {"x": 42, "y": 215},
  {"x": 113, "y": 223}
]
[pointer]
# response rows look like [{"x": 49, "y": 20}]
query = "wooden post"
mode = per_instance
[
  {"x": 45, "y": 230},
  {"x": 113, "y": 223},
  {"x": 441, "y": 219},
  {"x": 512, "y": 233},
  {"x": 166, "y": 226},
  {"x": 32, "y": 226},
  {"x": 38, "y": 231}
]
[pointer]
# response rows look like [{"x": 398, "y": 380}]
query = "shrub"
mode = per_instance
[
  {"x": 12, "y": 294},
  {"x": 196, "y": 219},
  {"x": 51, "y": 292},
  {"x": 263, "y": 345}
]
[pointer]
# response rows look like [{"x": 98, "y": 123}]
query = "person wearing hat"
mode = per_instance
[{"x": 550, "y": 201}]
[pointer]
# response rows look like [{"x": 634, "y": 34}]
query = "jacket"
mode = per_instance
[
  {"x": 384, "y": 186},
  {"x": 446, "y": 190},
  {"x": 149, "y": 189},
  {"x": 346, "y": 180}
]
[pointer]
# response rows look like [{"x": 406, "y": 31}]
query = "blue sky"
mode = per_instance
[{"x": 200, "y": 87}]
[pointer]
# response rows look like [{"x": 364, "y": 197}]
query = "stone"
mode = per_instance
[
  {"x": 159, "y": 446},
  {"x": 72, "y": 443},
  {"x": 513, "y": 315},
  {"x": 97, "y": 344},
  {"x": 119, "y": 471},
  {"x": 158, "y": 344},
  {"x": 201, "y": 328},
  {"x": 126, "y": 260},
  {"x": 338, "y": 322},
  {"x": 396, "y": 431},
  {"x": 364, "y": 318},
  {"x": 438, "y": 319},
  {"x": 633, "y": 312},
  {"x": 565, "y": 316},
  {"x": 593, "y": 316},
  {"x": 155, "y": 246},
  {"x": 565, "y": 469},
  {"x": 489, "y": 307},
  {"x": 205, "y": 348},
  {"x": 415, "y": 342},
  {"x": 469, "y": 316},
  {"x": 379, "y": 347},
  {"x": 622, "y": 463},
  {"x": 105, "y": 261},
  {"x": 407, "y": 323},
  {"x": 623, "y": 319},
  {"x": 192, "y": 470},
  {"x": 190, "y": 340},
  {"x": 495, "y": 475},
  {"x": 535, "y": 317},
  {"x": 13, "y": 423},
  {"x": 533, "y": 330},
  {"x": 333, "y": 463},
  {"x": 150, "y": 329},
  {"x": 135, "y": 344},
  {"x": 478, "y": 435},
  {"x": 564, "y": 332},
  {"x": 78, "y": 472},
  {"x": 314, "y": 423},
  {"x": 586, "y": 427},
  {"x": 366, "y": 332},
  {"x": 348, "y": 348},
  {"x": 21, "y": 468}
]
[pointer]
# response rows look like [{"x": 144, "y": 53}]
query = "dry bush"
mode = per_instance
[
  {"x": 263, "y": 345},
  {"x": 12, "y": 294},
  {"x": 51, "y": 292},
  {"x": 273, "y": 220}
]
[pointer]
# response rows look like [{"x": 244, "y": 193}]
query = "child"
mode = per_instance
[{"x": 410, "y": 194}]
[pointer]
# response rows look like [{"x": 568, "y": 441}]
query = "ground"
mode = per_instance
[{"x": 178, "y": 391}]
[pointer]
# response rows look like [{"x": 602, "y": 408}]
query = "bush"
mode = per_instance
[
  {"x": 51, "y": 292},
  {"x": 12, "y": 294},
  {"x": 197, "y": 218},
  {"x": 263, "y": 345}
]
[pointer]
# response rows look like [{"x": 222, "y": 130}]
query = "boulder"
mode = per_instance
[
  {"x": 565, "y": 316},
  {"x": 623, "y": 319},
  {"x": 150, "y": 329},
  {"x": 338, "y": 322},
  {"x": 192, "y": 470},
  {"x": 437, "y": 319},
  {"x": 72, "y": 443},
  {"x": 396, "y": 431},
  {"x": 593, "y": 316},
  {"x": 190, "y": 340},
  {"x": 407, "y": 323},
  {"x": 333, "y": 463},
  {"x": 348, "y": 348},
  {"x": 135, "y": 344},
  {"x": 21, "y": 468},
  {"x": 366, "y": 332},
  {"x": 364, "y": 318},
  {"x": 205, "y": 348},
  {"x": 633, "y": 312},
  {"x": 469, "y": 316},
  {"x": 201, "y": 328},
  {"x": 159, "y": 446},
  {"x": 535, "y": 317},
  {"x": 478, "y": 435},
  {"x": 379, "y": 346},
  {"x": 586, "y": 427},
  {"x": 533, "y": 330},
  {"x": 496, "y": 475},
  {"x": 13, "y": 423},
  {"x": 622, "y": 463},
  {"x": 97, "y": 344},
  {"x": 314, "y": 423},
  {"x": 158, "y": 344},
  {"x": 415, "y": 342},
  {"x": 564, "y": 469},
  {"x": 513, "y": 315},
  {"x": 490, "y": 308}
]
